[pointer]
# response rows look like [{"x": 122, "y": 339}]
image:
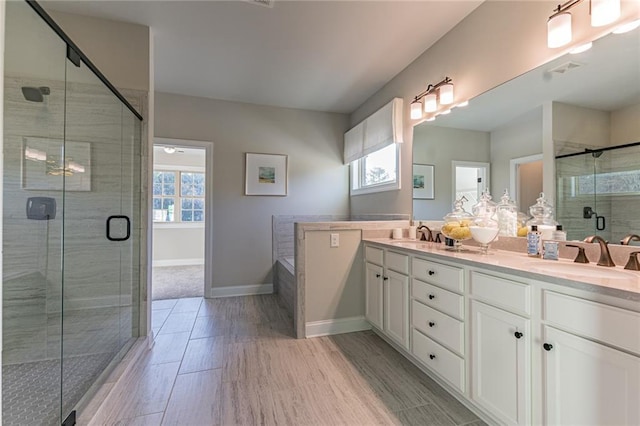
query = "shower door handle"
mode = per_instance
[
  {"x": 600, "y": 223},
  {"x": 126, "y": 237}
]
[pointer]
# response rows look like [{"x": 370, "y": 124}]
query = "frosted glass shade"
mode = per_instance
[
  {"x": 416, "y": 110},
  {"x": 446, "y": 94},
  {"x": 604, "y": 12},
  {"x": 430, "y": 103},
  {"x": 559, "y": 30}
]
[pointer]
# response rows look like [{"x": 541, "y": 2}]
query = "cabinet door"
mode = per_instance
[
  {"x": 587, "y": 383},
  {"x": 501, "y": 365},
  {"x": 374, "y": 306},
  {"x": 396, "y": 307}
]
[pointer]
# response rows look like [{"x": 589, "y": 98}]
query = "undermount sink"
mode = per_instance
[{"x": 579, "y": 270}]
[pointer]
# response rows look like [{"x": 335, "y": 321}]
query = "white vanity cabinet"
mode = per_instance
[
  {"x": 501, "y": 347},
  {"x": 387, "y": 293},
  {"x": 586, "y": 382},
  {"x": 516, "y": 349},
  {"x": 437, "y": 319}
]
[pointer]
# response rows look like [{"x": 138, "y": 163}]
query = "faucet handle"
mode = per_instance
[
  {"x": 632, "y": 263},
  {"x": 581, "y": 257}
]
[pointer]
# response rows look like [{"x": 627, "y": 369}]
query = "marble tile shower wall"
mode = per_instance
[{"x": 32, "y": 279}]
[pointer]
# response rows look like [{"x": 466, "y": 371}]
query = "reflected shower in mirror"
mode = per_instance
[{"x": 586, "y": 101}]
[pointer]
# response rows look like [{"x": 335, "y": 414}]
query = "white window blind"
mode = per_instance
[{"x": 382, "y": 128}]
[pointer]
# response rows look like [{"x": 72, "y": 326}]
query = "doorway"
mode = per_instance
[
  {"x": 470, "y": 179},
  {"x": 525, "y": 180},
  {"x": 181, "y": 218}
]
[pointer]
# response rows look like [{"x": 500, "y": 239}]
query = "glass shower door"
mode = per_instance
[
  {"x": 98, "y": 267},
  {"x": 33, "y": 211},
  {"x": 576, "y": 195}
]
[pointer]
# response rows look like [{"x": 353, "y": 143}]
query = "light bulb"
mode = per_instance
[
  {"x": 416, "y": 110},
  {"x": 559, "y": 30},
  {"x": 431, "y": 118},
  {"x": 446, "y": 94},
  {"x": 430, "y": 103},
  {"x": 462, "y": 104},
  {"x": 446, "y": 111},
  {"x": 604, "y": 12}
]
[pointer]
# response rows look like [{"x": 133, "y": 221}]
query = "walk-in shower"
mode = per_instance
[
  {"x": 598, "y": 192},
  {"x": 71, "y": 169}
]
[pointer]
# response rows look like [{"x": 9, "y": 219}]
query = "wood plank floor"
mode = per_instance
[{"x": 234, "y": 361}]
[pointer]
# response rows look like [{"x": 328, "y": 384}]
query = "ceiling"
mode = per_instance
[
  {"x": 315, "y": 55},
  {"x": 607, "y": 78}
]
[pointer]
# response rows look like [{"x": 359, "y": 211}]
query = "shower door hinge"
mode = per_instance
[
  {"x": 73, "y": 56},
  {"x": 70, "y": 420}
]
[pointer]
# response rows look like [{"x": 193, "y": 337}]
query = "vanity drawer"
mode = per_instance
[
  {"x": 439, "y": 359},
  {"x": 373, "y": 255},
  {"x": 438, "y": 298},
  {"x": 441, "y": 275},
  {"x": 440, "y": 327},
  {"x": 501, "y": 292},
  {"x": 397, "y": 262},
  {"x": 608, "y": 324}
]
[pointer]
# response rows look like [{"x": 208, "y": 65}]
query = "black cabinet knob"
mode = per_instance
[
  {"x": 432, "y": 356},
  {"x": 378, "y": 275},
  {"x": 432, "y": 272},
  {"x": 518, "y": 334},
  {"x": 547, "y": 346},
  {"x": 431, "y": 323},
  {"x": 432, "y": 296},
  {"x": 385, "y": 278}
]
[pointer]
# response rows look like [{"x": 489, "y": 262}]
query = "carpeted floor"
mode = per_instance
[{"x": 176, "y": 282}]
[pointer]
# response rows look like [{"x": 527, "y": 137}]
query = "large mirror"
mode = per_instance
[{"x": 539, "y": 128}]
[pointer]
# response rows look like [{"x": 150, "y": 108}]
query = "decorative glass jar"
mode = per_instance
[
  {"x": 507, "y": 216},
  {"x": 542, "y": 213},
  {"x": 456, "y": 223}
]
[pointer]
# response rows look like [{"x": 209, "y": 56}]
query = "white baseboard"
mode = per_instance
[
  {"x": 241, "y": 290},
  {"x": 178, "y": 262},
  {"x": 336, "y": 326}
]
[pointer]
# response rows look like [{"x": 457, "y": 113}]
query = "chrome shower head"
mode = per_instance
[{"x": 35, "y": 94}]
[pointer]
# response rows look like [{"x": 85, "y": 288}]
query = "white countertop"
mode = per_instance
[{"x": 613, "y": 281}]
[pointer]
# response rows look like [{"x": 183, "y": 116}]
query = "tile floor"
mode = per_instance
[{"x": 233, "y": 361}]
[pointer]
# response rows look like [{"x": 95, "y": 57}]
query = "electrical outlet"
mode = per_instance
[{"x": 335, "y": 240}]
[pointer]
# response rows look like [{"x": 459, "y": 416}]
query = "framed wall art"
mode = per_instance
[
  {"x": 265, "y": 174},
  {"x": 423, "y": 181}
]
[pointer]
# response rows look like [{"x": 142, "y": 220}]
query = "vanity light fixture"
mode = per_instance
[
  {"x": 603, "y": 12},
  {"x": 169, "y": 149},
  {"x": 429, "y": 97},
  {"x": 416, "y": 110},
  {"x": 625, "y": 28},
  {"x": 581, "y": 48}
]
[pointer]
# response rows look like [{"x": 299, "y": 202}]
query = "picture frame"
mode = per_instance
[
  {"x": 266, "y": 174},
  {"x": 49, "y": 164},
  {"x": 423, "y": 181}
]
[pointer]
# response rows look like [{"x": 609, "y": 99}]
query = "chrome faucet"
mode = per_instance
[
  {"x": 428, "y": 231},
  {"x": 605, "y": 256},
  {"x": 631, "y": 237}
]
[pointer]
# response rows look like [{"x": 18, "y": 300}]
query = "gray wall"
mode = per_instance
[
  {"x": 318, "y": 181},
  {"x": 440, "y": 146},
  {"x": 519, "y": 138}
]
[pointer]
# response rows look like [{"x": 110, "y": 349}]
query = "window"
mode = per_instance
[
  {"x": 376, "y": 172},
  {"x": 178, "y": 196}
]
